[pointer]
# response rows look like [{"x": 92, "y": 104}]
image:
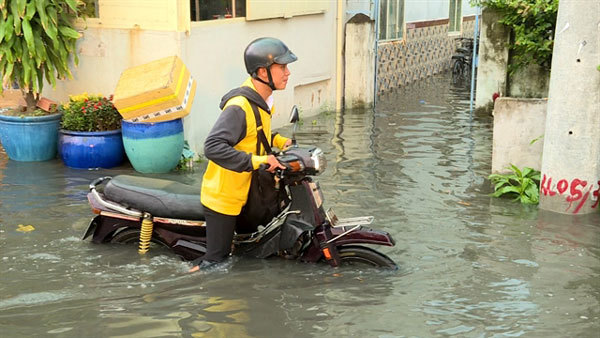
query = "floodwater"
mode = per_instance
[{"x": 469, "y": 265}]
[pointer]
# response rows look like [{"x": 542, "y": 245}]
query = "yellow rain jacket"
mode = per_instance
[{"x": 231, "y": 150}]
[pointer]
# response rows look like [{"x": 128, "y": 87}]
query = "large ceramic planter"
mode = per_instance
[
  {"x": 91, "y": 149},
  {"x": 31, "y": 138},
  {"x": 153, "y": 147}
]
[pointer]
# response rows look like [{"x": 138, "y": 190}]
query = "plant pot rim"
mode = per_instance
[
  {"x": 50, "y": 117},
  {"x": 174, "y": 121},
  {"x": 90, "y": 133}
]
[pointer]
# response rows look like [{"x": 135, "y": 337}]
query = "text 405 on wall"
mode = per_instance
[{"x": 577, "y": 191}]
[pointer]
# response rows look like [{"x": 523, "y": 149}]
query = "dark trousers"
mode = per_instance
[{"x": 219, "y": 235}]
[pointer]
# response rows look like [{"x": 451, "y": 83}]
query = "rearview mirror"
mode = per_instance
[
  {"x": 294, "y": 118},
  {"x": 294, "y": 115}
]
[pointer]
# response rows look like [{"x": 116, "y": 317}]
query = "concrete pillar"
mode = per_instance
[
  {"x": 493, "y": 58},
  {"x": 359, "y": 84},
  {"x": 571, "y": 159}
]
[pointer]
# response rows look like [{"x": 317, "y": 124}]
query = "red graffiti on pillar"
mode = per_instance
[
  {"x": 577, "y": 191},
  {"x": 546, "y": 186},
  {"x": 577, "y": 194},
  {"x": 597, "y": 195},
  {"x": 562, "y": 186}
]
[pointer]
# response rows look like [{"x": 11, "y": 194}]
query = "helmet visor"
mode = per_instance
[{"x": 284, "y": 59}]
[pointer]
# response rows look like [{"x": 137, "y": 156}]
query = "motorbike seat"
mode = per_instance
[{"x": 160, "y": 198}]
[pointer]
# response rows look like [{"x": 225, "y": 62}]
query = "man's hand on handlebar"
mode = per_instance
[{"x": 273, "y": 163}]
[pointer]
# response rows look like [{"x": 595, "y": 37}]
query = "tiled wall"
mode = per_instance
[{"x": 427, "y": 50}]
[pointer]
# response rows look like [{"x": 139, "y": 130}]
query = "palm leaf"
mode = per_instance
[
  {"x": 69, "y": 32},
  {"x": 30, "y": 12},
  {"x": 21, "y": 5},
  {"x": 27, "y": 32},
  {"x": 16, "y": 17}
]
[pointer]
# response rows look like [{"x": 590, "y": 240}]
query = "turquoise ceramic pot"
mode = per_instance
[
  {"x": 153, "y": 147},
  {"x": 32, "y": 138}
]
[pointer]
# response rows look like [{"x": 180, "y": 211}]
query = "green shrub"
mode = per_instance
[
  {"x": 533, "y": 24},
  {"x": 522, "y": 185}
]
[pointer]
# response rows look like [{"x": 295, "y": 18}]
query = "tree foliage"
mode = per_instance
[
  {"x": 533, "y": 25},
  {"x": 37, "y": 40}
]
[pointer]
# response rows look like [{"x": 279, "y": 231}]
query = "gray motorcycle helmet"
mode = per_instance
[{"x": 264, "y": 52}]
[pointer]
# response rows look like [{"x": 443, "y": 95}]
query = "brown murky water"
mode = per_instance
[{"x": 470, "y": 265}]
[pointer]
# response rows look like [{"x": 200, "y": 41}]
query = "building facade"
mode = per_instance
[{"x": 415, "y": 40}]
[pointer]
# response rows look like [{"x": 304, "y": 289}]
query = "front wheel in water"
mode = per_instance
[
  {"x": 457, "y": 71},
  {"x": 360, "y": 255}
]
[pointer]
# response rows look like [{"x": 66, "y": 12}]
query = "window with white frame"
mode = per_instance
[
  {"x": 391, "y": 19},
  {"x": 455, "y": 16},
  {"x": 202, "y": 10}
]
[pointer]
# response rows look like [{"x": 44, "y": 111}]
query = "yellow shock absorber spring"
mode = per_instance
[{"x": 145, "y": 234}]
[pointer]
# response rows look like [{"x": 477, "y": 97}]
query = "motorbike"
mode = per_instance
[{"x": 152, "y": 211}]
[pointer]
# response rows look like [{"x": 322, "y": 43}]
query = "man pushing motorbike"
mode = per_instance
[{"x": 231, "y": 145}]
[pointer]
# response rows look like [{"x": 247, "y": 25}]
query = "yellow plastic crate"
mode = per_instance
[{"x": 160, "y": 90}]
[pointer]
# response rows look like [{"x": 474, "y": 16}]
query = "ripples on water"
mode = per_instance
[{"x": 469, "y": 265}]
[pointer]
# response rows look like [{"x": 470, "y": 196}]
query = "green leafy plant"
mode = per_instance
[
  {"x": 523, "y": 185},
  {"x": 90, "y": 113},
  {"x": 533, "y": 24},
  {"x": 37, "y": 39}
]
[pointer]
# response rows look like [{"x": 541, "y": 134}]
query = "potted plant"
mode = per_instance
[
  {"x": 90, "y": 134},
  {"x": 37, "y": 40},
  {"x": 30, "y": 136}
]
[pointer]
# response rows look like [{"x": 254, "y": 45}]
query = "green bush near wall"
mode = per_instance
[{"x": 533, "y": 25}]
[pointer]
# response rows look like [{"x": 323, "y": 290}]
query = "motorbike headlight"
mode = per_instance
[{"x": 319, "y": 160}]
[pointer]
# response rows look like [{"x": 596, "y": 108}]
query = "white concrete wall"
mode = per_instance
[
  {"x": 366, "y": 7},
  {"x": 105, "y": 53},
  {"x": 467, "y": 9},
  {"x": 214, "y": 54},
  {"x": 518, "y": 122},
  {"x": 414, "y": 10},
  {"x": 213, "y": 51},
  {"x": 423, "y": 10}
]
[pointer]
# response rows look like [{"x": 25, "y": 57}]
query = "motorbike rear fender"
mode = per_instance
[
  {"x": 91, "y": 228},
  {"x": 105, "y": 227}
]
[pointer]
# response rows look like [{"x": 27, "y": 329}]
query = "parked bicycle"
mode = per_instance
[{"x": 462, "y": 61}]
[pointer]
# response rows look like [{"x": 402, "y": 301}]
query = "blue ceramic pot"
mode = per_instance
[
  {"x": 153, "y": 147},
  {"x": 32, "y": 138},
  {"x": 91, "y": 149}
]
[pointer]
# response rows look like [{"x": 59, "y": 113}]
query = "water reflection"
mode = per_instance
[{"x": 469, "y": 265}]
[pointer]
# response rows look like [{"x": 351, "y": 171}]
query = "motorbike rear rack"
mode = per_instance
[
  {"x": 347, "y": 222},
  {"x": 354, "y": 222}
]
